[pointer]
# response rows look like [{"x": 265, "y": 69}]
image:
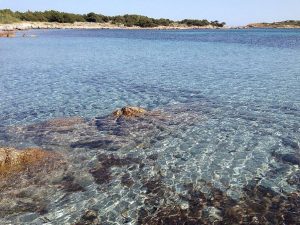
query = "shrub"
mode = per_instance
[{"x": 7, "y": 16}]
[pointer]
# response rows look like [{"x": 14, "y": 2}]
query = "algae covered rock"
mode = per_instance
[
  {"x": 58, "y": 132},
  {"x": 13, "y": 160},
  {"x": 129, "y": 111},
  {"x": 90, "y": 217},
  {"x": 57, "y": 124}
]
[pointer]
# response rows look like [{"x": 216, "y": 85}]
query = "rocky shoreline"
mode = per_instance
[{"x": 7, "y": 34}]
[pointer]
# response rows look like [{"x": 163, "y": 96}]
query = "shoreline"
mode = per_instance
[
  {"x": 90, "y": 26},
  {"x": 22, "y": 26}
]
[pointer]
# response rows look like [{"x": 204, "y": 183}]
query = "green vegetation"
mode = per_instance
[
  {"x": 287, "y": 24},
  {"x": 8, "y": 16},
  {"x": 50, "y": 16},
  {"x": 195, "y": 22},
  {"x": 140, "y": 21},
  {"x": 95, "y": 18}
]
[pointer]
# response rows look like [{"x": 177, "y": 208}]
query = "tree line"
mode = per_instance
[{"x": 8, "y": 16}]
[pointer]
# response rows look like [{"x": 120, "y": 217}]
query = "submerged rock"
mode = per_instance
[
  {"x": 289, "y": 142},
  {"x": 62, "y": 122},
  {"x": 124, "y": 129},
  {"x": 58, "y": 124},
  {"x": 102, "y": 173},
  {"x": 135, "y": 173},
  {"x": 26, "y": 180},
  {"x": 58, "y": 132},
  {"x": 90, "y": 217},
  {"x": 13, "y": 160},
  {"x": 293, "y": 159},
  {"x": 294, "y": 179},
  {"x": 258, "y": 205},
  {"x": 143, "y": 130},
  {"x": 92, "y": 144},
  {"x": 70, "y": 185}
]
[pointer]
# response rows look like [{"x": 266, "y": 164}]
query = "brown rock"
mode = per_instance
[
  {"x": 90, "y": 217},
  {"x": 57, "y": 125},
  {"x": 7, "y": 34},
  {"x": 129, "y": 111},
  {"x": 13, "y": 160}
]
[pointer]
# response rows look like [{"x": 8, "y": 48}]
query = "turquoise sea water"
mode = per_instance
[{"x": 234, "y": 99}]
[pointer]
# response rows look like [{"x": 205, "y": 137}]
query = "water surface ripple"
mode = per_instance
[{"x": 221, "y": 141}]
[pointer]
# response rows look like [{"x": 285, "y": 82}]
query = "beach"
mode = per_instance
[{"x": 85, "y": 25}]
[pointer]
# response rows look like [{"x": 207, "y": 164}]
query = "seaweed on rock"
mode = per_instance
[
  {"x": 259, "y": 205},
  {"x": 90, "y": 217},
  {"x": 70, "y": 185},
  {"x": 102, "y": 173},
  {"x": 127, "y": 180}
]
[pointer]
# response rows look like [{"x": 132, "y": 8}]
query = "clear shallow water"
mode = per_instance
[
  {"x": 237, "y": 92},
  {"x": 92, "y": 72}
]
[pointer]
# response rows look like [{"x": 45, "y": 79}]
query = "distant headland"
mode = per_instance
[
  {"x": 51, "y": 19},
  {"x": 283, "y": 24}
]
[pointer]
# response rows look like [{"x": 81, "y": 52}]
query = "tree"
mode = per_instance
[
  {"x": 93, "y": 18},
  {"x": 8, "y": 16}
]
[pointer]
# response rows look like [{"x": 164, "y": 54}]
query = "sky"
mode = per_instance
[{"x": 233, "y": 12}]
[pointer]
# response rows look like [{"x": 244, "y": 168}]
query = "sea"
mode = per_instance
[{"x": 219, "y": 144}]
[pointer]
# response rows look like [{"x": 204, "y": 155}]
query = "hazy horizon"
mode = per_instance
[{"x": 233, "y": 12}]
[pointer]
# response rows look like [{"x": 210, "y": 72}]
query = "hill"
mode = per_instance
[{"x": 282, "y": 24}]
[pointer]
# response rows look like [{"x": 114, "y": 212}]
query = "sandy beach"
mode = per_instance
[{"x": 86, "y": 25}]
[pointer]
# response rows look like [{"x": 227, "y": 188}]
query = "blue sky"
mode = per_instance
[{"x": 234, "y": 12}]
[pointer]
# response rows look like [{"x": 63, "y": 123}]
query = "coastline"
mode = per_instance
[
  {"x": 278, "y": 25},
  {"x": 90, "y": 26},
  {"x": 87, "y": 26}
]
